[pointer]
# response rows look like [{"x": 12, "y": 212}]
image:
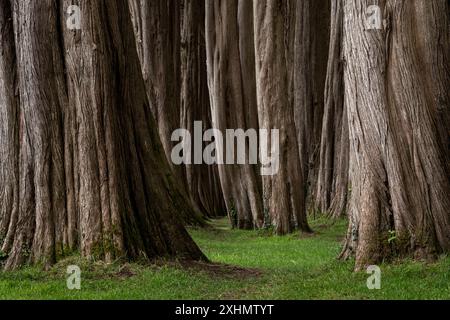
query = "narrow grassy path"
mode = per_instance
[{"x": 247, "y": 265}]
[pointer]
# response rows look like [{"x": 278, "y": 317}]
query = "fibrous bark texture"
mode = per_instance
[
  {"x": 332, "y": 181},
  {"x": 202, "y": 180},
  {"x": 157, "y": 31},
  {"x": 9, "y": 129},
  {"x": 232, "y": 87},
  {"x": 283, "y": 193},
  {"x": 309, "y": 23},
  {"x": 170, "y": 42},
  {"x": 92, "y": 175},
  {"x": 396, "y": 99}
]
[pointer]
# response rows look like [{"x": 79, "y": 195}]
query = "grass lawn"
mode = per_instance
[{"x": 247, "y": 265}]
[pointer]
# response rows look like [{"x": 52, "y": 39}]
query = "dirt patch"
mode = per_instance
[{"x": 218, "y": 270}]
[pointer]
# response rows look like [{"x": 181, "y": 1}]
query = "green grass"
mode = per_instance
[{"x": 264, "y": 267}]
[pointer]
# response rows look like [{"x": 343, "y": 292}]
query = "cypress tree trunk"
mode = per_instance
[
  {"x": 396, "y": 98},
  {"x": 284, "y": 193},
  {"x": 332, "y": 182},
  {"x": 93, "y": 175},
  {"x": 202, "y": 180},
  {"x": 9, "y": 130},
  {"x": 231, "y": 78},
  {"x": 157, "y": 30},
  {"x": 311, "y": 28}
]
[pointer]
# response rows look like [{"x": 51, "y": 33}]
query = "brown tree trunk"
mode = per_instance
[
  {"x": 332, "y": 181},
  {"x": 9, "y": 130},
  {"x": 91, "y": 163},
  {"x": 202, "y": 180},
  {"x": 231, "y": 77},
  {"x": 157, "y": 29},
  {"x": 284, "y": 193},
  {"x": 311, "y": 28},
  {"x": 395, "y": 97}
]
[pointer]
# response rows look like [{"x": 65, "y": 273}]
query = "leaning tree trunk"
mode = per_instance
[
  {"x": 332, "y": 182},
  {"x": 395, "y": 98},
  {"x": 231, "y": 78},
  {"x": 202, "y": 180},
  {"x": 92, "y": 171},
  {"x": 284, "y": 192}
]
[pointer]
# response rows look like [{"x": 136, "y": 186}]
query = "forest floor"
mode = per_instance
[{"x": 247, "y": 265}]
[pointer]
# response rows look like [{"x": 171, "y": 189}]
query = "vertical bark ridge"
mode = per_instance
[
  {"x": 332, "y": 181},
  {"x": 400, "y": 182},
  {"x": 92, "y": 172},
  {"x": 201, "y": 180},
  {"x": 231, "y": 78},
  {"x": 283, "y": 193}
]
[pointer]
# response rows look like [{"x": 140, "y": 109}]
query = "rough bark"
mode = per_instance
[
  {"x": 157, "y": 31},
  {"x": 40, "y": 166},
  {"x": 395, "y": 98},
  {"x": 283, "y": 193},
  {"x": 9, "y": 129},
  {"x": 311, "y": 38},
  {"x": 231, "y": 81},
  {"x": 202, "y": 180},
  {"x": 332, "y": 181},
  {"x": 92, "y": 171}
]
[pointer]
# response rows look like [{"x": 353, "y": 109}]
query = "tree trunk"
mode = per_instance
[
  {"x": 9, "y": 129},
  {"x": 157, "y": 30},
  {"x": 91, "y": 163},
  {"x": 395, "y": 98},
  {"x": 231, "y": 78},
  {"x": 311, "y": 28},
  {"x": 284, "y": 193},
  {"x": 202, "y": 180},
  {"x": 332, "y": 182}
]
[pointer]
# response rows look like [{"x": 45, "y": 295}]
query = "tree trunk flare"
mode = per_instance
[
  {"x": 332, "y": 181},
  {"x": 395, "y": 98},
  {"x": 284, "y": 193},
  {"x": 202, "y": 180},
  {"x": 93, "y": 176},
  {"x": 231, "y": 81}
]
